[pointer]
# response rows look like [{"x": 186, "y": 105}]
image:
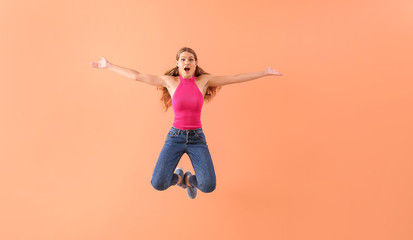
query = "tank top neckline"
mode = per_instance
[{"x": 182, "y": 78}]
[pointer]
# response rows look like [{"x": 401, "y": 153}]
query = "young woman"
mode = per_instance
[{"x": 185, "y": 87}]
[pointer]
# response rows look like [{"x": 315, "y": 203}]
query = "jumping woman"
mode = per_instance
[{"x": 185, "y": 87}]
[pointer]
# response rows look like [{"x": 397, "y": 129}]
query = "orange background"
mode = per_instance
[{"x": 323, "y": 152}]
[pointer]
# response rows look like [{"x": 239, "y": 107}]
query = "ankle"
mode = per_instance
[
  {"x": 180, "y": 180},
  {"x": 187, "y": 183}
]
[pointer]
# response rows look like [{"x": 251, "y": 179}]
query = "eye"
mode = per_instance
[{"x": 192, "y": 59}]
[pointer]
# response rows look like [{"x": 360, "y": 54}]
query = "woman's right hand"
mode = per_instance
[{"x": 103, "y": 63}]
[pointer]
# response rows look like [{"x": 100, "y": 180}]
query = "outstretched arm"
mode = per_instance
[
  {"x": 215, "y": 81},
  {"x": 130, "y": 73}
]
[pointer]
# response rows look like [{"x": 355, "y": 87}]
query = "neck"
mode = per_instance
[{"x": 187, "y": 76}]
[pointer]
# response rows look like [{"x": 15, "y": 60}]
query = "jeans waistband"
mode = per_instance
[{"x": 197, "y": 130}]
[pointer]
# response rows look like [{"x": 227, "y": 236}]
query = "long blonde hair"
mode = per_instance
[{"x": 166, "y": 97}]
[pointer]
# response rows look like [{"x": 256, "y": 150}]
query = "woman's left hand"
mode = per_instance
[{"x": 271, "y": 71}]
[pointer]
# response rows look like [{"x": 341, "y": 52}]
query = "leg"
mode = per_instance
[
  {"x": 204, "y": 178},
  {"x": 163, "y": 175}
]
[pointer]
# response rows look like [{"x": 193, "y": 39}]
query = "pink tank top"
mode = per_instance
[{"x": 187, "y": 104}]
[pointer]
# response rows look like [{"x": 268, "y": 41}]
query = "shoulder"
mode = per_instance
[
  {"x": 204, "y": 77},
  {"x": 168, "y": 80},
  {"x": 209, "y": 80}
]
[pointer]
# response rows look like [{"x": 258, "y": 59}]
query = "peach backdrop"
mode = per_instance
[{"x": 323, "y": 152}]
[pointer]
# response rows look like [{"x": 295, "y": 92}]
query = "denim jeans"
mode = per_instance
[{"x": 193, "y": 143}]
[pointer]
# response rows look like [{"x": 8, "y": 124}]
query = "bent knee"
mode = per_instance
[
  {"x": 159, "y": 185},
  {"x": 207, "y": 187}
]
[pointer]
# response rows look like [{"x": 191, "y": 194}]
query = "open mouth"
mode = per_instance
[{"x": 187, "y": 69}]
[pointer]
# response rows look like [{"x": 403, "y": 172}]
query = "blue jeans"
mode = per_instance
[{"x": 193, "y": 143}]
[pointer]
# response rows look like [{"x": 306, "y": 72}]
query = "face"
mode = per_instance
[{"x": 186, "y": 64}]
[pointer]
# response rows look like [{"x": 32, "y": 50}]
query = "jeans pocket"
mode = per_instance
[
  {"x": 200, "y": 135},
  {"x": 172, "y": 133}
]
